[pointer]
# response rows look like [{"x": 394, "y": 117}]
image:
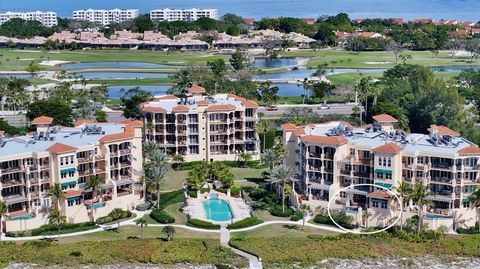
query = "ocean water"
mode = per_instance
[{"x": 438, "y": 9}]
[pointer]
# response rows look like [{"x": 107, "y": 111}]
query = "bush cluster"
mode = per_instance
[
  {"x": 276, "y": 210},
  {"x": 235, "y": 190},
  {"x": 161, "y": 216},
  {"x": 143, "y": 207},
  {"x": 252, "y": 221},
  {"x": 340, "y": 218},
  {"x": 202, "y": 224},
  {"x": 113, "y": 216},
  {"x": 51, "y": 229},
  {"x": 298, "y": 215},
  {"x": 235, "y": 164},
  {"x": 193, "y": 193}
]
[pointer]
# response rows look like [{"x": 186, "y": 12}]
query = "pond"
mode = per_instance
[
  {"x": 15, "y": 76},
  {"x": 276, "y": 63},
  {"x": 457, "y": 68},
  {"x": 217, "y": 210},
  {"x": 87, "y": 65},
  {"x": 114, "y": 91},
  {"x": 124, "y": 75}
]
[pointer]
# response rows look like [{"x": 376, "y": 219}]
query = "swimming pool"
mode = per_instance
[
  {"x": 23, "y": 217},
  {"x": 436, "y": 216},
  {"x": 217, "y": 210}
]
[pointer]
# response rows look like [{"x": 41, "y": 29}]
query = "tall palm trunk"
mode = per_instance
[
  {"x": 419, "y": 227},
  {"x": 283, "y": 198},
  {"x": 1, "y": 230},
  {"x": 158, "y": 195},
  {"x": 141, "y": 232}
]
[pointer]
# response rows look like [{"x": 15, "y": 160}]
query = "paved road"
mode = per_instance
[{"x": 342, "y": 109}]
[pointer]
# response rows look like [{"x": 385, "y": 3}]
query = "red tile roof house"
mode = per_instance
[
  {"x": 309, "y": 20},
  {"x": 332, "y": 156}
]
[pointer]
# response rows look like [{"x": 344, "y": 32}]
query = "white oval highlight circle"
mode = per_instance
[{"x": 360, "y": 232}]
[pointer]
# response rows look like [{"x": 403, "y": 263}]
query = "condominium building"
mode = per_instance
[
  {"x": 330, "y": 156},
  {"x": 211, "y": 128},
  {"x": 47, "y": 18},
  {"x": 70, "y": 156},
  {"x": 105, "y": 17},
  {"x": 192, "y": 14}
]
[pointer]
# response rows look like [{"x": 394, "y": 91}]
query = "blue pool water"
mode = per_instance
[
  {"x": 23, "y": 217},
  {"x": 218, "y": 210},
  {"x": 15, "y": 76},
  {"x": 114, "y": 75},
  {"x": 116, "y": 65},
  {"x": 114, "y": 92},
  {"x": 435, "y": 216}
]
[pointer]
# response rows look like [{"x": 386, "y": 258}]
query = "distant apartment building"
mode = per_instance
[
  {"x": 211, "y": 128},
  {"x": 30, "y": 165},
  {"x": 328, "y": 157},
  {"x": 105, "y": 17},
  {"x": 193, "y": 14},
  {"x": 47, "y": 18}
]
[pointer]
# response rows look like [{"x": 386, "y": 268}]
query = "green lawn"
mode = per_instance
[
  {"x": 174, "y": 211},
  {"x": 134, "y": 231},
  {"x": 348, "y": 59},
  {"x": 280, "y": 230},
  {"x": 40, "y": 81},
  {"x": 27, "y": 56}
]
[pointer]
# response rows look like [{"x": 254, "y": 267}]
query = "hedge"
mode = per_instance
[
  {"x": 51, "y": 229},
  {"x": 252, "y": 221},
  {"x": 236, "y": 164},
  {"x": 276, "y": 210},
  {"x": 161, "y": 216},
  {"x": 321, "y": 219},
  {"x": 193, "y": 194},
  {"x": 298, "y": 215},
  {"x": 202, "y": 224}
]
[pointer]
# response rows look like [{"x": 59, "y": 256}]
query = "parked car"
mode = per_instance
[{"x": 272, "y": 108}]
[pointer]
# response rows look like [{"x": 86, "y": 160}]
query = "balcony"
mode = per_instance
[
  {"x": 361, "y": 174},
  {"x": 85, "y": 172},
  {"x": 445, "y": 166},
  {"x": 12, "y": 170},
  {"x": 125, "y": 164},
  {"x": 85, "y": 160},
  {"x": 11, "y": 183},
  {"x": 442, "y": 180},
  {"x": 125, "y": 151}
]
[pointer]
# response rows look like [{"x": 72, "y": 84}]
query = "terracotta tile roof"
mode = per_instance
[
  {"x": 247, "y": 103},
  {"x": 167, "y": 97},
  {"x": 202, "y": 103},
  {"x": 2, "y": 132},
  {"x": 288, "y": 126},
  {"x": 83, "y": 121},
  {"x": 42, "y": 120},
  {"x": 128, "y": 134},
  {"x": 180, "y": 108},
  {"x": 196, "y": 89},
  {"x": 220, "y": 107},
  {"x": 389, "y": 148},
  {"x": 333, "y": 140},
  {"x": 443, "y": 130},
  {"x": 133, "y": 123},
  {"x": 72, "y": 193},
  {"x": 470, "y": 150},
  {"x": 384, "y": 118},
  {"x": 152, "y": 109},
  {"x": 60, "y": 148},
  {"x": 365, "y": 126},
  {"x": 380, "y": 195}
]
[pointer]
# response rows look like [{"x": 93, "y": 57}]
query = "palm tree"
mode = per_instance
[
  {"x": 178, "y": 159},
  {"x": 169, "y": 231},
  {"x": 156, "y": 176},
  {"x": 3, "y": 212},
  {"x": 117, "y": 214},
  {"x": 404, "y": 191},
  {"x": 281, "y": 175},
  {"x": 55, "y": 217},
  {"x": 364, "y": 88},
  {"x": 245, "y": 157},
  {"x": 93, "y": 183},
  {"x": 270, "y": 157},
  {"x": 419, "y": 196},
  {"x": 365, "y": 215},
  {"x": 143, "y": 223},
  {"x": 262, "y": 127},
  {"x": 55, "y": 192},
  {"x": 475, "y": 203}
]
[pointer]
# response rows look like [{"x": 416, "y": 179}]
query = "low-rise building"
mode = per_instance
[
  {"x": 47, "y": 18},
  {"x": 210, "y": 128},
  {"x": 193, "y": 14},
  {"x": 69, "y": 156},
  {"x": 329, "y": 157},
  {"x": 105, "y": 17}
]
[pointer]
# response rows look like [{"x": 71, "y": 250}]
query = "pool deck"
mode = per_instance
[{"x": 196, "y": 210}]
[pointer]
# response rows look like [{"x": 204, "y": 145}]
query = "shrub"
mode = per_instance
[
  {"x": 235, "y": 190},
  {"x": 258, "y": 194},
  {"x": 39, "y": 243},
  {"x": 51, "y": 229},
  {"x": 244, "y": 223},
  {"x": 161, "y": 216},
  {"x": 193, "y": 194},
  {"x": 76, "y": 253},
  {"x": 298, "y": 215},
  {"x": 204, "y": 190},
  {"x": 222, "y": 190},
  {"x": 143, "y": 207},
  {"x": 276, "y": 210},
  {"x": 202, "y": 224},
  {"x": 341, "y": 219},
  {"x": 104, "y": 220}
]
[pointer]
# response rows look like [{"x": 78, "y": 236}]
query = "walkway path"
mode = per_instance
[{"x": 140, "y": 214}]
